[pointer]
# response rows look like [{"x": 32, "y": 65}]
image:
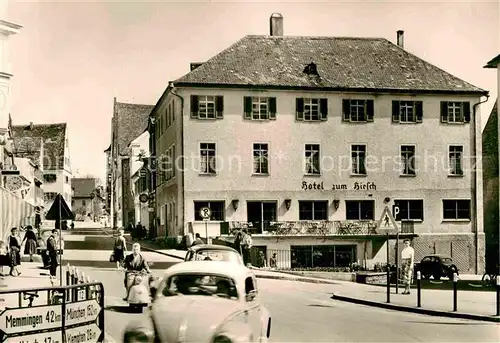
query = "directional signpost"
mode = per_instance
[
  {"x": 82, "y": 314},
  {"x": 206, "y": 213},
  {"x": 387, "y": 224}
]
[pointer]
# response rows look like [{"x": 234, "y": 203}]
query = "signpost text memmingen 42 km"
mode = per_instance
[{"x": 25, "y": 320}]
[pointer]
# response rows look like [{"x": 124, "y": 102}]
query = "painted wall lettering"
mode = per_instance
[
  {"x": 357, "y": 186},
  {"x": 368, "y": 186},
  {"x": 314, "y": 185}
]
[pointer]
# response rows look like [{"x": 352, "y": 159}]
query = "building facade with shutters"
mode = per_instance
[{"x": 305, "y": 140}]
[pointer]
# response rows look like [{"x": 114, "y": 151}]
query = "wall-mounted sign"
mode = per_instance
[
  {"x": 143, "y": 198},
  {"x": 356, "y": 186}
]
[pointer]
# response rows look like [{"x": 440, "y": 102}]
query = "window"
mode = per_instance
[
  {"x": 84, "y": 203},
  {"x": 456, "y": 209},
  {"x": 216, "y": 207},
  {"x": 312, "y": 159},
  {"x": 259, "y": 108},
  {"x": 358, "y": 157},
  {"x": 357, "y": 110},
  {"x": 410, "y": 209},
  {"x": 407, "y": 111},
  {"x": 67, "y": 179},
  {"x": 170, "y": 163},
  {"x": 249, "y": 285},
  {"x": 313, "y": 210},
  {"x": 207, "y": 157},
  {"x": 455, "y": 112},
  {"x": 207, "y": 107},
  {"x": 311, "y": 109},
  {"x": 260, "y": 158},
  {"x": 360, "y": 209},
  {"x": 455, "y": 159},
  {"x": 50, "y": 178},
  {"x": 408, "y": 159}
]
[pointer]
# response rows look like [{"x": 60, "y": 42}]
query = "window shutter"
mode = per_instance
[
  {"x": 369, "y": 110},
  {"x": 444, "y": 111},
  {"x": 323, "y": 108},
  {"x": 466, "y": 111},
  {"x": 419, "y": 111},
  {"x": 194, "y": 106},
  {"x": 299, "y": 102},
  {"x": 346, "y": 109},
  {"x": 395, "y": 111},
  {"x": 272, "y": 108},
  {"x": 219, "y": 107},
  {"x": 247, "y": 107}
]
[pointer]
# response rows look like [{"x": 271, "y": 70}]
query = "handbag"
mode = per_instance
[{"x": 112, "y": 257}]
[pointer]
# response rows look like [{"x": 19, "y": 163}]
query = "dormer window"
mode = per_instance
[{"x": 311, "y": 69}]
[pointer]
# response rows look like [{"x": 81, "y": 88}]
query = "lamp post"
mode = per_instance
[{"x": 92, "y": 197}]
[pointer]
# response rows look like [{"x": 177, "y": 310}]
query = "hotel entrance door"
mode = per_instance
[{"x": 260, "y": 213}]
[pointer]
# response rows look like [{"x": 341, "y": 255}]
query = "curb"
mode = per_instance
[
  {"x": 146, "y": 248},
  {"x": 286, "y": 278},
  {"x": 417, "y": 310}
]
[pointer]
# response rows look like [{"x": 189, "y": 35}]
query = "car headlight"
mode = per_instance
[
  {"x": 138, "y": 335},
  {"x": 233, "y": 332}
]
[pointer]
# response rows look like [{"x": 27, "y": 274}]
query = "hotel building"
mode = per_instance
[{"x": 305, "y": 141}]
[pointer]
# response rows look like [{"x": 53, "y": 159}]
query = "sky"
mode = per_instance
[{"x": 73, "y": 57}]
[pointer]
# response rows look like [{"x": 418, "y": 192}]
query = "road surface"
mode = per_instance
[{"x": 304, "y": 312}]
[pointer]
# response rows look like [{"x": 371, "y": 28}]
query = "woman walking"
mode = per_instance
[
  {"x": 407, "y": 257},
  {"x": 14, "y": 252},
  {"x": 119, "y": 249},
  {"x": 31, "y": 242}
]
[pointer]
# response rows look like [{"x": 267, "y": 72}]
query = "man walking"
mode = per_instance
[
  {"x": 52, "y": 252},
  {"x": 407, "y": 257},
  {"x": 197, "y": 240}
]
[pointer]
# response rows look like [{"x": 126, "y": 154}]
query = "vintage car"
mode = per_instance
[
  {"x": 436, "y": 266},
  {"x": 206, "y": 302},
  {"x": 211, "y": 252}
]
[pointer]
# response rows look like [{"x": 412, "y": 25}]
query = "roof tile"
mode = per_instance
[{"x": 132, "y": 120}]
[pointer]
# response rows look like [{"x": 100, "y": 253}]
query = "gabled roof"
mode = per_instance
[
  {"x": 83, "y": 187},
  {"x": 26, "y": 140},
  {"x": 132, "y": 120},
  {"x": 362, "y": 64},
  {"x": 493, "y": 63}
]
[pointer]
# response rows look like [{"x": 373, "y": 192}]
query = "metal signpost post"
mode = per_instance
[
  {"x": 206, "y": 213},
  {"x": 387, "y": 225},
  {"x": 396, "y": 212}
]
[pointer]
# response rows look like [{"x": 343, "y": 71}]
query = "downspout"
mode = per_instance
[
  {"x": 474, "y": 177},
  {"x": 181, "y": 171}
]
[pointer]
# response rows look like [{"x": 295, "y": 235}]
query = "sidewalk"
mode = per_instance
[{"x": 470, "y": 305}]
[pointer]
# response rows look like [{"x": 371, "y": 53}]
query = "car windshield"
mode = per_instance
[
  {"x": 200, "y": 284},
  {"x": 216, "y": 255},
  {"x": 446, "y": 259}
]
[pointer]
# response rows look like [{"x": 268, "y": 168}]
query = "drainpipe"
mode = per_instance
[
  {"x": 474, "y": 177},
  {"x": 181, "y": 172}
]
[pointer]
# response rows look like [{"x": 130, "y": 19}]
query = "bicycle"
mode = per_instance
[{"x": 489, "y": 279}]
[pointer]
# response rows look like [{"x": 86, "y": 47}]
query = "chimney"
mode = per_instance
[
  {"x": 276, "y": 24},
  {"x": 195, "y": 65},
  {"x": 401, "y": 35},
  {"x": 31, "y": 125}
]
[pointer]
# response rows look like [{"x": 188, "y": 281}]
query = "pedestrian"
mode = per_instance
[
  {"x": 14, "y": 252},
  {"x": 4, "y": 256},
  {"x": 52, "y": 253},
  {"x": 119, "y": 249},
  {"x": 197, "y": 240},
  {"x": 262, "y": 259},
  {"x": 246, "y": 245},
  {"x": 273, "y": 262},
  {"x": 237, "y": 242},
  {"x": 31, "y": 242},
  {"x": 407, "y": 260}
]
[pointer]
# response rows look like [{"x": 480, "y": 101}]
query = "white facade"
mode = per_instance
[{"x": 139, "y": 147}]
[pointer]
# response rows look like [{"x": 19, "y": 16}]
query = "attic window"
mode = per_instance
[{"x": 311, "y": 69}]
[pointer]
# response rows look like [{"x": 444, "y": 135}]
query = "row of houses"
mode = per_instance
[{"x": 305, "y": 141}]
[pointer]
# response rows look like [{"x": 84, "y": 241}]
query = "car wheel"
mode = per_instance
[{"x": 437, "y": 277}]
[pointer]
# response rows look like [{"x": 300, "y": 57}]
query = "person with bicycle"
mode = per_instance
[{"x": 135, "y": 262}]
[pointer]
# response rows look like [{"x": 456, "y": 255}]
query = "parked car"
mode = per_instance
[
  {"x": 206, "y": 302},
  {"x": 205, "y": 252},
  {"x": 436, "y": 266}
]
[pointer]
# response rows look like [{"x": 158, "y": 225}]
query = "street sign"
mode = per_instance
[
  {"x": 395, "y": 210},
  {"x": 205, "y": 213},
  {"x": 81, "y": 295},
  {"x": 18, "y": 320},
  {"x": 82, "y": 312},
  {"x": 85, "y": 333},
  {"x": 387, "y": 224},
  {"x": 143, "y": 198},
  {"x": 59, "y": 210},
  {"x": 44, "y": 337}
]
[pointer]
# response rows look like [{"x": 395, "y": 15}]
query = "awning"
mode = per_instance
[{"x": 15, "y": 212}]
